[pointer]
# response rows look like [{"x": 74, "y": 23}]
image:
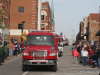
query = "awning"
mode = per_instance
[
  {"x": 86, "y": 34},
  {"x": 81, "y": 37},
  {"x": 98, "y": 33}
]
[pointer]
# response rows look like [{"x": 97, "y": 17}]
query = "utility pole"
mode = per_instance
[
  {"x": 22, "y": 30},
  {"x": 73, "y": 36}
]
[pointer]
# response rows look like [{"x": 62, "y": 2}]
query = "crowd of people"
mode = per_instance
[
  {"x": 84, "y": 51},
  {"x": 10, "y": 49}
]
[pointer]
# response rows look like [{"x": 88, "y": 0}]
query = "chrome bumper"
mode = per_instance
[{"x": 38, "y": 62}]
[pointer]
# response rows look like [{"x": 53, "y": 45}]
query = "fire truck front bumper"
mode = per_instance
[{"x": 38, "y": 62}]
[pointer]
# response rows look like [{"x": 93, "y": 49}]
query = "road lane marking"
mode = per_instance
[
  {"x": 70, "y": 65},
  {"x": 26, "y": 71},
  {"x": 84, "y": 68}
]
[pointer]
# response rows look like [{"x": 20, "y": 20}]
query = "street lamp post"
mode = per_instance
[
  {"x": 73, "y": 35},
  {"x": 22, "y": 30},
  {"x": 3, "y": 27}
]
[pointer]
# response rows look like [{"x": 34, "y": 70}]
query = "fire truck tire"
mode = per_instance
[
  {"x": 24, "y": 67},
  {"x": 55, "y": 67},
  {"x": 59, "y": 55}
]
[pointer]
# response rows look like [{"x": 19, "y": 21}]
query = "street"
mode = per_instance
[{"x": 65, "y": 67}]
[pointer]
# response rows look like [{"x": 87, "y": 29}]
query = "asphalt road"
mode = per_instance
[{"x": 65, "y": 67}]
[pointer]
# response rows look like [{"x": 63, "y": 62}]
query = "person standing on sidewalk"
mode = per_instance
[
  {"x": 99, "y": 57},
  {"x": 75, "y": 54},
  {"x": 84, "y": 56},
  {"x": 16, "y": 49},
  {"x": 10, "y": 46},
  {"x": 6, "y": 51},
  {"x": 1, "y": 53},
  {"x": 14, "y": 46}
]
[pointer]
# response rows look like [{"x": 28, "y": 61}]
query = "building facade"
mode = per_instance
[
  {"x": 5, "y": 7},
  {"x": 47, "y": 17},
  {"x": 90, "y": 27},
  {"x": 85, "y": 26},
  {"x": 81, "y": 30},
  {"x": 24, "y": 10},
  {"x": 93, "y": 26}
]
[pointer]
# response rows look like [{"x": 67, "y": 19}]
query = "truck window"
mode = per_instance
[{"x": 40, "y": 40}]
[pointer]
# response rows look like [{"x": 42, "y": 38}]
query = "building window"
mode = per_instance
[
  {"x": 21, "y": 9},
  {"x": 43, "y": 16}
]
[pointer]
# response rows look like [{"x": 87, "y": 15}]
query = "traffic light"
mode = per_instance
[{"x": 19, "y": 26}]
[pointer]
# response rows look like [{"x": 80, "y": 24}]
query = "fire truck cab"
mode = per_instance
[{"x": 41, "y": 49}]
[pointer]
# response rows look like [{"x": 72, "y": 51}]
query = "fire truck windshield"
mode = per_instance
[{"x": 40, "y": 40}]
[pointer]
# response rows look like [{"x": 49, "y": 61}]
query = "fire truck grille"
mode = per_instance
[{"x": 39, "y": 53}]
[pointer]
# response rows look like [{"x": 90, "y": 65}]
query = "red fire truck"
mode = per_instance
[{"x": 41, "y": 49}]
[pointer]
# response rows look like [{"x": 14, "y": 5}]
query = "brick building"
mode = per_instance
[
  {"x": 47, "y": 17},
  {"x": 93, "y": 26},
  {"x": 24, "y": 10},
  {"x": 90, "y": 27},
  {"x": 5, "y": 7},
  {"x": 81, "y": 30},
  {"x": 85, "y": 27}
]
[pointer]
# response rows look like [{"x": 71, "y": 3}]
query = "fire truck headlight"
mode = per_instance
[
  {"x": 52, "y": 54},
  {"x": 25, "y": 54}
]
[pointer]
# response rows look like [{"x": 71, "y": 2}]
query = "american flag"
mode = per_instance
[{"x": 61, "y": 36}]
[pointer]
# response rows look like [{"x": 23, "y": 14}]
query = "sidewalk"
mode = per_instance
[{"x": 8, "y": 58}]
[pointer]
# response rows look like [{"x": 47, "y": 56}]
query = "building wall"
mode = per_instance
[
  {"x": 81, "y": 25},
  {"x": 48, "y": 16},
  {"x": 30, "y": 15},
  {"x": 93, "y": 26},
  {"x": 85, "y": 25},
  {"x": 93, "y": 29},
  {"x": 5, "y": 6}
]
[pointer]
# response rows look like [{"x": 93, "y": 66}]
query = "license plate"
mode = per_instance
[{"x": 38, "y": 61}]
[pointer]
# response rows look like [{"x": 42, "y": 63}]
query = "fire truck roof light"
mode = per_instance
[{"x": 40, "y": 31}]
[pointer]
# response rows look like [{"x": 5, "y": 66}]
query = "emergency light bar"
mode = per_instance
[{"x": 40, "y": 31}]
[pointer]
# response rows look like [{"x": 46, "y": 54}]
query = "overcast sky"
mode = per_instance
[{"x": 69, "y": 13}]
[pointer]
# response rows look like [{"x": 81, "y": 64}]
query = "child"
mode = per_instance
[
  {"x": 73, "y": 49},
  {"x": 75, "y": 54}
]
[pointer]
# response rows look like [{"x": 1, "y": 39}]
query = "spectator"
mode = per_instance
[
  {"x": 99, "y": 58},
  {"x": 18, "y": 46},
  {"x": 1, "y": 53},
  {"x": 14, "y": 46},
  {"x": 73, "y": 49},
  {"x": 10, "y": 46},
  {"x": 91, "y": 52},
  {"x": 6, "y": 51},
  {"x": 75, "y": 54},
  {"x": 12, "y": 40},
  {"x": 16, "y": 49},
  {"x": 88, "y": 47},
  {"x": 84, "y": 56},
  {"x": 79, "y": 50}
]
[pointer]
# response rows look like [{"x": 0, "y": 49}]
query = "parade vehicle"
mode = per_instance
[
  {"x": 60, "y": 47},
  {"x": 41, "y": 49},
  {"x": 66, "y": 42}
]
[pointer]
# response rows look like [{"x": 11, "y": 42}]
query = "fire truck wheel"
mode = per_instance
[
  {"x": 55, "y": 67},
  {"x": 24, "y": 67},
  {"x": 59, "y": 55}
]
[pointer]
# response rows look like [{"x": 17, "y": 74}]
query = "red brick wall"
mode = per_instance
[
  {"x": 49, "y": 15},
  {"x": 6, "y": 8},
  {"x": 30, "y": 15},
  {"x": 93, "y": 29}
]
